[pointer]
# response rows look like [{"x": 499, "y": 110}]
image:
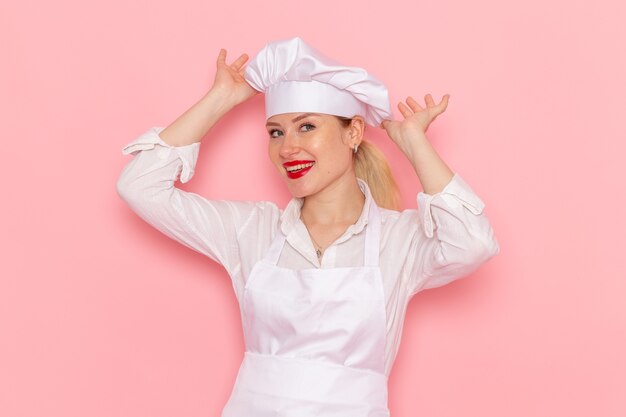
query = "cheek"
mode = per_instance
[
  {"x": 336, "y": 158},
  {"x": 273, "y": 151}
]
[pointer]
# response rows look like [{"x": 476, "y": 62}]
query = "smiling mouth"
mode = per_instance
[
  {"x": 299, "y": 170},
  {"x": 300, "y": 167}
]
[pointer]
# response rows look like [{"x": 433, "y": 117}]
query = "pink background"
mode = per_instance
[{"x": 101, "y": 315}]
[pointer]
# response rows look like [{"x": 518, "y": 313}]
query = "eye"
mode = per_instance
[
  {"x": 273, "y": 133},
  {"x": 308, "y": 127}
]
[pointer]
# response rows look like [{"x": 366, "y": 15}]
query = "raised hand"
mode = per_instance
[
  {"x": 229, "y": 79},
  {"x": 409, "y": 135},
  {"x": 416, "y": 120},
  {"x": 229, "y": 89}
]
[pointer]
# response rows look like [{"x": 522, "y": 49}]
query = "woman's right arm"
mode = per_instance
[
  {"x": 229, "y": 89},
  {"x": 163, "y": 155}
]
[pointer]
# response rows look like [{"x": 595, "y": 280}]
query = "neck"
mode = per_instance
[{"x": 340, "y": 202}]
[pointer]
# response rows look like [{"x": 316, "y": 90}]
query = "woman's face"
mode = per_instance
[{"x": 311, "y": 151}]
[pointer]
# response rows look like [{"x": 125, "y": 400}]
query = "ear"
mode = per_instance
[{"x": 356, "y": 130}]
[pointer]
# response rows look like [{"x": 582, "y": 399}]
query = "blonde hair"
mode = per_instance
[{"x": 372, "y": 167}]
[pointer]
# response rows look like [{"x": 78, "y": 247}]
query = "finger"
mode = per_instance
[
  {"x": 429, "y": 100},
  {"x": 385, "y": 124},
  {"x": 443, "y": 104},
  {"x": 441, "y": 107},
  {"x": 239, "y": 62},
  {"x": 413, "y": 104},
  {"x": 221, "y": 58},
  {"x": 406, "y": 112}
]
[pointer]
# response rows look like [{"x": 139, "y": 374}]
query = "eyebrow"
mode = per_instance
[{"x": 295, "y": 119}]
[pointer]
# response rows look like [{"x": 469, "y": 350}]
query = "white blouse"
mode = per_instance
[{"x": 447, "y": 237}]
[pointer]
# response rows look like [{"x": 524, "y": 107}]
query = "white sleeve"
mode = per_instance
[
  {"x": 454, "y": 237},
  {"x": 146, "y": 184}
]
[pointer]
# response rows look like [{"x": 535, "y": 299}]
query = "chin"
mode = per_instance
[{"x": 299, "y": 190}]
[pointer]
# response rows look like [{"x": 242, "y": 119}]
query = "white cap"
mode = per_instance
[{"x": 297, "y": 78}]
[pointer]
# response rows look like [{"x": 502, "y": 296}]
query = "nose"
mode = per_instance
[{"x": 289, "y": 145}]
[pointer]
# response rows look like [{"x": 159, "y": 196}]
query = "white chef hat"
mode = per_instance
[{"x": 297, "y": 78}]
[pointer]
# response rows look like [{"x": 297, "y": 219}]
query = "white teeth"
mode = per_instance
[{"x": 299, "y": 167}]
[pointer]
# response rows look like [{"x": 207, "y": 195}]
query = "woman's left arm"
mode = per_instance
[
  {"x": 456, "y": 236},
  {"x": 410, "y": 136}
]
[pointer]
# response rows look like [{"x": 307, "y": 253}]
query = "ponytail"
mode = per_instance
[{"x": 372, "y": 167}]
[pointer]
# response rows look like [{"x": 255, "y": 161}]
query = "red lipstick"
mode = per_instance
[{"x": 305, "y": 166}]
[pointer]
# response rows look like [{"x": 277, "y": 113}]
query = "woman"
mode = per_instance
[{"x": 322, "y": 285}]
